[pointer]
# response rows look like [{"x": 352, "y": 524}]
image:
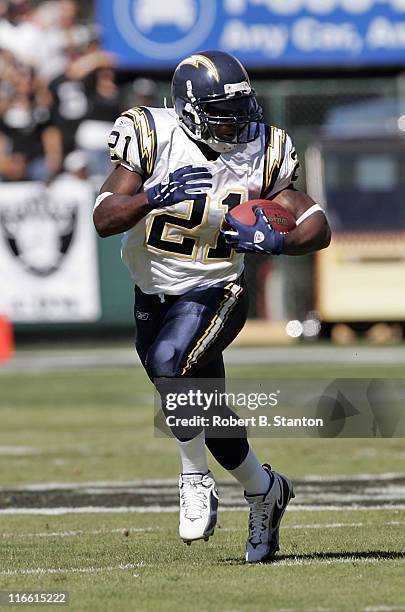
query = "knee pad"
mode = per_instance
[{"x": 161, "y": 360}]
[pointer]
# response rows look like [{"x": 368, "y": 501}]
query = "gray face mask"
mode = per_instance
[{"x": 218, "y": 147}]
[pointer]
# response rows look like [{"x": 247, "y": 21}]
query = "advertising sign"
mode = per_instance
[
  {"x": 48, "y": 252},
  {"x": 261, "y": 33}
]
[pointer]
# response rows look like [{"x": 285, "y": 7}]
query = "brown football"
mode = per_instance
[{"x": 280, "y": 218}]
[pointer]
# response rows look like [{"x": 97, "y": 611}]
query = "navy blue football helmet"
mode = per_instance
[{"x": 214, "y": 100}]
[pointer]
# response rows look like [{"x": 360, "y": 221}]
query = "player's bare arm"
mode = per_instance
[
  {"x": 313, "y": 234},
  {"x": 123, "y": 207},
  {"x": 117, "y": 209}
]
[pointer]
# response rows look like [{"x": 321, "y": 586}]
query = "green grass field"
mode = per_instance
[
  {"x": 164, "y": 574},
  {"x": 96, "y": 425}
]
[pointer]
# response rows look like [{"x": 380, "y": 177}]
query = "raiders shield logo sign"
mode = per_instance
[
  {"x": 48, "y": 252},
  {"x": 39, "y": 233}
]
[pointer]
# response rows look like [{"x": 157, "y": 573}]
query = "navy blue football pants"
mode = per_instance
[{"x": 183, "y": 337}]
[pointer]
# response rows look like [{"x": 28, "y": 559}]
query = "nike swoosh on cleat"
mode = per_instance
[
  {"x": 280, "y": 507},
  {"x": 213, "y": 516},
  {"x": 280, "y": 499},
  {"x": 214, "y": 501}
]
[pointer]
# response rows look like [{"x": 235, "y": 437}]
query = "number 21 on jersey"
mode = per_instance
[{"x": 184, "y": 241}]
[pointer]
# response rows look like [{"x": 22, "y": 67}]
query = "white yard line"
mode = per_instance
[
  {"x": 342, "y": 525},
  {"x": 88, "y": 510},
  {"x": 130, "y": 566},
  {"x": 70, "y": 570},
  {"x": 16, "y": 451},
  {"x": 355, "y": 507},
  {"x": 338, "y": 561},
  {"x": 383, "y": 608},
  {"x": 128, "y": 530},
  {"x": 168, "y": 482},
  {"x": 316, "y": 493},
  {"x": 329, "y": 525},
  {"x": 81, "y": 532},
  {"x": 168, "y": 509},
  {"x": 354, "y": 478},
  {"x": 54, "y": 486}
]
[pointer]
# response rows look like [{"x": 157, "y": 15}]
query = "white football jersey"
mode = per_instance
[{"x": 179, "y": 247}]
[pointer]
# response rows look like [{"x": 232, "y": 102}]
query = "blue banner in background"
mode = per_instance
[{"x": 156, "y": 34}]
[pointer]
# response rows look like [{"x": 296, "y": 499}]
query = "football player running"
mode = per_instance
[{"x": 177, "y": 173}]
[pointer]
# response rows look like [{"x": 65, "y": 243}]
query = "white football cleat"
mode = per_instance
[
  {"x": 266, "y": 512},
  {"x": 198, "y": 506}
]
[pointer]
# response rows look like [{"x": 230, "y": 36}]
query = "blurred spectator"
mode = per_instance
[
  {"x": 54, "y": 79},
  {"x": 27, "y": 137},
  {"x": 104, "y": 95},
  {"x": 62, "y": 31},
  {"x": 6, "y": 28},
  {"x": 104, "y": 107},
  {"x": 73, "y": 185},
  {"x": 71, "y": 103},
  {"x": 22, "y": 33},
  {"x": 8, "y": 74},
  {"x": 144, "y": 92},
  {"x": 76, "y": 164},
  {"x": 13, "y": 166}
]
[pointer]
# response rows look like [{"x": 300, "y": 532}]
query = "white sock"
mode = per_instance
[
  {"x": 251, "y": 475},
  {"x": 193, "y": 455}
]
